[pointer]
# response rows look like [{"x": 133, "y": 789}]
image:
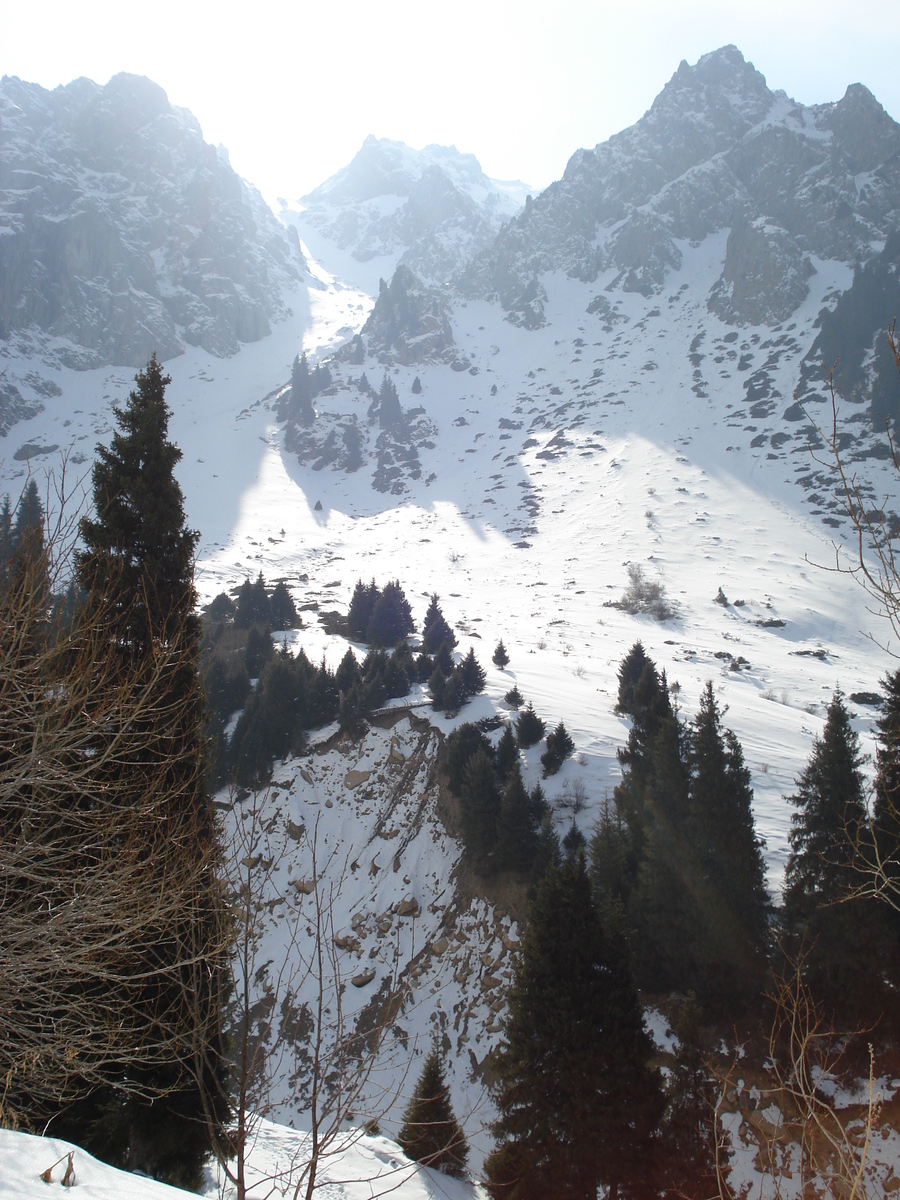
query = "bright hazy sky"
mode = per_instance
[{"x": 293, "y": 88}]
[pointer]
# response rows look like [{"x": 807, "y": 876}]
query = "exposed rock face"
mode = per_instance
[
  {"x": 765, "y": 275},
  {"x": 853, "y": 342},
  {"x": 436, "y": 207},
  {"x": 717, "y": 150},
  {"x": 124, "y": 233},
  {"x": 410, "y": 323}
]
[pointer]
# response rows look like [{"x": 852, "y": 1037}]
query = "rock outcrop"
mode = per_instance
[{"x": 122, "y": 232}]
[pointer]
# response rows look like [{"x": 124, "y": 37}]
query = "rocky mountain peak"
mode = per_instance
[
  {"x": 716, "y": 147},
  {"x": 434, "y": 209},
  {"x": 124, "y": 233}
]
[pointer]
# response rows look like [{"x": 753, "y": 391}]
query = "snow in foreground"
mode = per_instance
[{"x": 358, "y": 1166}]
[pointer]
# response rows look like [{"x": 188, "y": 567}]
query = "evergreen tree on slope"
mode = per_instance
[
  {"x": 886, "y": 814},
  {"x": 435, "y": 630},
  {"x": 578, "y": 1104},
  {"x": 840, "y": 937},
  {"x": 139, "y": 554},
  {"x": 431, "y": 1133},
  {"x": 733, "y": 902},
  {"x": 137, "y": 545}
]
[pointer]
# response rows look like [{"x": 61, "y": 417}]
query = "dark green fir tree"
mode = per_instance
[
  {"x": 578, "y": 1104},
  {"x": 529, "y": 728},
  {"x": 430, "y": 1133},
  {"x": 500, "y": 658},
  {"x": 137, "y": 564},
  {"x": 391, "y": 617},
  {"x": 436, "y": 631},
  {"x": 841, "y": 938},
  {"x": 559, "y": 747},
  {"x": 517, "y": 827},
  {"x": 362, "y": 604},
  {"x": 390, "y": 415}
]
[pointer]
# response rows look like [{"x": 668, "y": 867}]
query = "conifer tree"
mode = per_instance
[
  {"x": 462, "y": 744},
  {"x": 841, "y": 937},
  {"x": 529, "y": 728},
  {"x": 430, "y": 1133},
  {"x": 577, "y": 1102},
  {"x": 29, "y": 525},
  {"x": 608, "y": 857},
  {"x": 500, "y": 658},
  {"x": 514, "y": 698},
  {"x": 630, "y": 671},
  {"x": 886, "y": 814},
  {"x": 6, "y": 542},
  {"x": 480, "y": 810},
  {"x": 301, "y": 392},
  {"x": 733, "y": 905},
  {"x": 348, "y": 671},
  {"x": 830, "y": 811},
  {"x": 390, "y": 415},
  {"x": 416, "y": 386},
  {"x": 253, "y": 604},
  {"x": 517, "y": 827},
  {"x": 282, "y": 610},
  {"x": 391, "y": 617},
  {"x": 559, "y": 747},
  {"x": 472, "y": 674},
  {"x": 362, "y": 604},
  {"x": 138, "y": 565},
  {"x": 436, "y": 631},
  {"x": 507, "y": 752},
  {"x": 137, "y": 545}
]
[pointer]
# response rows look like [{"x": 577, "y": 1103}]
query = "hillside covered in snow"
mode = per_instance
[{"x": 627, "y": 373}]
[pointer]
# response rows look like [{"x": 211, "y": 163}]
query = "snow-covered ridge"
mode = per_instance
[{"x": 433, "y": 209}]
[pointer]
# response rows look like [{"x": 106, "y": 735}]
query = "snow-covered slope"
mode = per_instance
[
  {"x": 358, "y": 1166},
  {"x": 642, "y": 414}
]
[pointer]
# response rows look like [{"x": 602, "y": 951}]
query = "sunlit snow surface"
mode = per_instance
[
  {"x": 357, "y": 1167},
  {"x": 608, "y": 457},
  {"x": 648, "y": 473}
]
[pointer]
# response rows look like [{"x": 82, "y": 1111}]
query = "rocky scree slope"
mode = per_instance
[{"x": 122, "y": 232}]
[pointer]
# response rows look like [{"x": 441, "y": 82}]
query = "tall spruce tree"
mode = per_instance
[
  {"x": 480, "y": 810},
  {"x": 517, "y": 826},
  {"x": 137, "y": 545},
  {"x": 390, "y": 415},
  {"x": 391, "y": 617},
  {"x": 578, "y": 1103},
  {"x": 138, "y": 561},
  {"x": 430, "y": 1133},
  {"x": 732, "y": 901},
  {"x": 301, "y": 406},
  {"x": 841, "y": 938}
]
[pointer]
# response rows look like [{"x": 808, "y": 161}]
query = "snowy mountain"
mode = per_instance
[
  {"x": 122, "y": 232},
  {"x": 431, "y": 209},
  {"x": 716, "y": 151},
  {"x": 606, "y": 381}
]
